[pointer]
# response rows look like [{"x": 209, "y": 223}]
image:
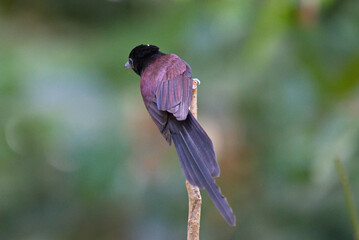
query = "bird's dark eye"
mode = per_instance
[{"x": 131, "y": 62}]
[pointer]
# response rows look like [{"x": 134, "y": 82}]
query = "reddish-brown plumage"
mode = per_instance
[
  {"x": 163, "y": 69},
  {"x": 166, "y": 87}
]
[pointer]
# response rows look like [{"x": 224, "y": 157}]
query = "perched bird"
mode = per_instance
[{"x": 166, "y": 88}]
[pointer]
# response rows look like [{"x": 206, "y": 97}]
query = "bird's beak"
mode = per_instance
[{"x": 127, "y": 65}]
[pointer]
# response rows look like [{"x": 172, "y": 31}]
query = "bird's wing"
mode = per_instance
[
  {"x": 166, "y": 87},
  {"x": 160, "y": 118},
  {"x": 174, "y": 91}
]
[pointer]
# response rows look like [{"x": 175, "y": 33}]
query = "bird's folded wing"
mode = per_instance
[
  {"x": 174, "y": 91},
  {"x": 160, "y": 118}
]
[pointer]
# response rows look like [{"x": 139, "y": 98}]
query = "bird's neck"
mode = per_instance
[{"x": 147, "y": 61}]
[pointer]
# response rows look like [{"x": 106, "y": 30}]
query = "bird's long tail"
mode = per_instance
[{"x": 198, "y": 161}]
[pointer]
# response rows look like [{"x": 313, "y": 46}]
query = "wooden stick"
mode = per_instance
[{"x": 194, "y": 195}]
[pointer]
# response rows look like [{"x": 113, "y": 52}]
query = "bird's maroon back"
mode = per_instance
[
  {"x": 166, "y": 87},
  {"x": 165, "y": 68}
]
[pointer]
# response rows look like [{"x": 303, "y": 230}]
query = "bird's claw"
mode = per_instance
[{"x": 196, "y": 82}]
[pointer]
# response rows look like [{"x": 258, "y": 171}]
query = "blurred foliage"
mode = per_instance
[{"x": 81, "y": 159}]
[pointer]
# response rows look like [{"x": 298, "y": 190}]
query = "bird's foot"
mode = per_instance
[{"x": 196, "y": 82}]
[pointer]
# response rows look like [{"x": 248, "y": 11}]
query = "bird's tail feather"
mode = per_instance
[{"x": 198, "y": 161}]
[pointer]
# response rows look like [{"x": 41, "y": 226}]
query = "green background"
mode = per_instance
[{"x": 81, "y": 159}]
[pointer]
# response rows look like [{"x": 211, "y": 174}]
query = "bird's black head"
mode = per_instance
[{"x": 141, "y": 56}]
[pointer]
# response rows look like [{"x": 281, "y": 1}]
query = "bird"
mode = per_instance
[{"x": 166, "y": 88}]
